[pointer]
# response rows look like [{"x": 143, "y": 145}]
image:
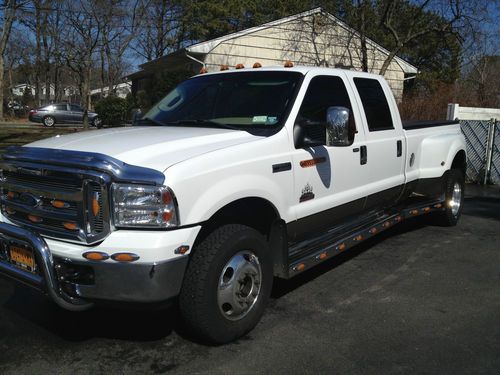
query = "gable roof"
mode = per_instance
[{"x": 209, "y": 45}]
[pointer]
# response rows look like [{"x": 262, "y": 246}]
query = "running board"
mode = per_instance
[{"x": 322, "y": 251}]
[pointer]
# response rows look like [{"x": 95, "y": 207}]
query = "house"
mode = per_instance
[
  {"x": 19, "y": 90},
  {"x": 314, "y": 37},
  {"x": 121, "y": 90}
]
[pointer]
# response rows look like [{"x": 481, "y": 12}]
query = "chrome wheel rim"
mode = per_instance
[
  {"x": 49, "y": 121},
  {"x": 456, "y": 199},
  {"x": 239, "y": 285}
]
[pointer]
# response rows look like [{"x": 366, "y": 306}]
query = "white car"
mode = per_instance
[{"x": 232, "y": 179}]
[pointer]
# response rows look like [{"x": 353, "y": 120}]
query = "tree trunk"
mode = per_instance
[
  {"x": 38, "y": 57},
  {"x": 362, "y": 33},
  {"x": 1, "y": 87},
  {"x": 388, "y": 61}
]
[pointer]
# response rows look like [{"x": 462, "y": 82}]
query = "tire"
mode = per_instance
[
  {"x": 223, "y": 271},
  {"x": 454, "y": 199},
  {"x": 49, "y": 121},
  {"x": 97, "y": 123}
]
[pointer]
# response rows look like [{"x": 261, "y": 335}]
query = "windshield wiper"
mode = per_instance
[
  {"x": 198, "y": 122},
  {"x": 148, "y": 119}
]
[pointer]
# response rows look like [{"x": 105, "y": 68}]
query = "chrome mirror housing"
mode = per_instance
[{"x": 337, "y": 126}]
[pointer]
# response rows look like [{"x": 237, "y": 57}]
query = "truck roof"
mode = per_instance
[{"x": 301, "y": 69}]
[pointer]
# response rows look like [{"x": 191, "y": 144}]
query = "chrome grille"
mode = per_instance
[{"x": 56, "y": 204}]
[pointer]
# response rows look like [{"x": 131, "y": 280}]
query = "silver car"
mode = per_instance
[{"x": 62, "y": 113}]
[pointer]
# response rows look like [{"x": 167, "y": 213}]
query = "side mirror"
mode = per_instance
[{"x": 337, "y": 126}]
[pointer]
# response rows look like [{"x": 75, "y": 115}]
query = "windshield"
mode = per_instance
[{"x": 237, "y": 100}]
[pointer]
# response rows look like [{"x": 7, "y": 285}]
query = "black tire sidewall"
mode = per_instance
[{"x": 216, "y": 327}]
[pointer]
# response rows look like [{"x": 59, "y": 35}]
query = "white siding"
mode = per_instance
[{"x": 313, "y": 40}]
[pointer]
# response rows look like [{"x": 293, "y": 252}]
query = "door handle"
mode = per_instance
[
  {"x": 363, "y": 155},
  {"x": 399, "y": 148}
]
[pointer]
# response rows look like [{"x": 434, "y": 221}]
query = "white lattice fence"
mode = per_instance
[
  {"x": 476, "y": 135},
  {"x": 481, "y": 127}
]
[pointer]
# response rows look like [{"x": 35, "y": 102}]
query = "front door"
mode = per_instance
[{"x": 329, "y": 181}]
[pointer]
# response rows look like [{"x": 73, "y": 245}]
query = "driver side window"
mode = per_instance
[{"x": 323, "y": 92}]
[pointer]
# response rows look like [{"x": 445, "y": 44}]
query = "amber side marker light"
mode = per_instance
[
  {"x": 239, "y": 66},
  {"x": 300, "y": 267},
  {"x": 322, "y": 256},
  {"x": 125, "y": 257},
  {"x": 342, "y": 246},
  {"x": 224, "y": 67},
  {"x": 35, "y": 219},
  {"x": 95, "y": 255},
  {"x": 288, "y": 64},
  {"x": 182, "y": 250},
  {"x": 70, "y": 226},
  {"x": 203, "y": 70},
  {"x": 257, "y": 65},
  {"x": 373, "y": 230},
  {"x": 11, "y": 194}
]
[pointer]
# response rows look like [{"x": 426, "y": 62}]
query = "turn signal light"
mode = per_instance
[
  {"x": 288, "y": 64},
  {"x": 341, "y": 246},
  {"x": 125, "y": 257},
  {"x": 95, "y": 255},
  {"x": 322, "y": 256},
  {"x": 70, "y": 226},
  {"x": 240, "y": 66},
  {"x": 35, "y": 219}
]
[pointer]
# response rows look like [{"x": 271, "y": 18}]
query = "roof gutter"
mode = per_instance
[{"x": 194, "y": 59}]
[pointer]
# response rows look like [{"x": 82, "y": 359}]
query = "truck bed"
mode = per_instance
[{"x": 411, "y": 125}]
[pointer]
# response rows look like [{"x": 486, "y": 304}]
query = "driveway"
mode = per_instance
[{"x": 417, "y": 299}]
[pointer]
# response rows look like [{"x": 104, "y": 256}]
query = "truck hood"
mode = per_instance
[{"x": 152, "y": 147}]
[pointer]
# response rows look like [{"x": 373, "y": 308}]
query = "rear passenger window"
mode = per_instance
[
  {"x": 60, "y": 107},
  {"x": 378, "y": 114}
]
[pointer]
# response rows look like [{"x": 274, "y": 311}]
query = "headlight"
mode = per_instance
[{"x": 144, "y": 206}]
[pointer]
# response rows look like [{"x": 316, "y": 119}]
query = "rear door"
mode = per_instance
[
  {"x": 384, "y": 143},
  {"x": 76, "y": 113}
]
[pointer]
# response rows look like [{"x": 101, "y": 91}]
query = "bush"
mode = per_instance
[{"x": 112, "y": 110}]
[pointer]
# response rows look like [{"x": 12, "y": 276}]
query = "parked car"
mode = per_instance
[
  {"x": 232, "y": 179},
  {"x": 62, "y": 113}
]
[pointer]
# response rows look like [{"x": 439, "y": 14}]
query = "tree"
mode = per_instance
[
  {"x": 9, "y": 15},
  {"x": 84, "y": 29}
]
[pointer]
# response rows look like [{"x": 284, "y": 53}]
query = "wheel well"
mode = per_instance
[
  {"x": 460, "y": 162},
  {"x": 256, "y": 213}
]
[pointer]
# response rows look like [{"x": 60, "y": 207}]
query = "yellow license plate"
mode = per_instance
[{"x": 22, "y": 258}]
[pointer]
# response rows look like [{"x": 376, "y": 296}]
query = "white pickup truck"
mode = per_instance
[{"x": 234, "y": 178}]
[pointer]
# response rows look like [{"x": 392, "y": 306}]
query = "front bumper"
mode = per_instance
[{"x": 75, "y": 284}]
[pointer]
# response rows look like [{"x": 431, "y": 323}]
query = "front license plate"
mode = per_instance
[{"x": 22, "y": 258}]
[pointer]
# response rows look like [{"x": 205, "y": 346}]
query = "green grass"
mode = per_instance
[{"x": 21, "y": 135}]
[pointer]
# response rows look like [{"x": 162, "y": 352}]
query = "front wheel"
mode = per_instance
[
  {"x": 454, "y": 199},
  {"x": 227, "y": 284}
]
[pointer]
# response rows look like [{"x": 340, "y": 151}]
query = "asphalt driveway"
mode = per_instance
[{"x": 417, "y": 299}]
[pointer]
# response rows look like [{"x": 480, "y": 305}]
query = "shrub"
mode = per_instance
[{"x": 112, "y": 110}]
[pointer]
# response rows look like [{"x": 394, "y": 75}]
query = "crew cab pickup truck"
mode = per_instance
[{"x": 234, "y": 178}]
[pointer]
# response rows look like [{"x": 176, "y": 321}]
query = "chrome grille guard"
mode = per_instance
[{"x": 35, "y": 177}]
